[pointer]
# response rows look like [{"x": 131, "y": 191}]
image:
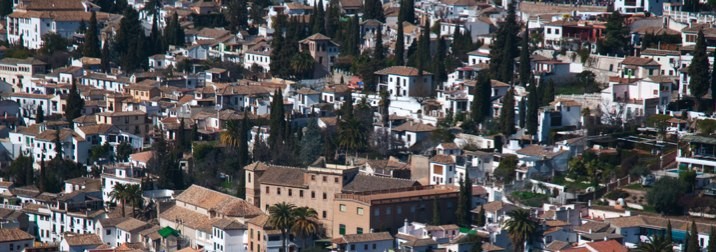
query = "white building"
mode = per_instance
[
  {"x": 402, "y": 81},
  {"x": 119, "y": 175},
  {"x": 229, "y": 235},
  {"x": 260, "y": 55},
  {"x": 14, "y": 239},
  {"x": 373, "y": 242}
]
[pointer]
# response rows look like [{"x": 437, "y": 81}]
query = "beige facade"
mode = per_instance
[
  {"x": 134, "y": 122},
  {"x": 387, "y": 211}
]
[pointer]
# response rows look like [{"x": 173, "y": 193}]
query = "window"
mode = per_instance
[
  {"x": 556, "y": 31},
  {"x": 549, "y": 30},
  {"x": 342, "y": 207},
  {"x": 353, "y": 247},
  {"x": 324, "y": 214},
  {"x": 365, "y": 246},
  {"x": 300, "y": 193},
  {"x": 374, "y": 246},
  {"x": 313, "y": 195},
  {"x": 278, "y": 190},
  {"x": 342, "y": 229},
  {"x": 313, "y": 177},
  {"x": 335, "y": 180},
  {"x": 267, "y": 190},
  {"x": 359, "y": 211},
  {"x": 376, "y": 212},
  {"x": 325, "y": 196},
  {"x": 290, "y": 192},
  {"x": 359, "y": 231},
  {"x": 325, "y": 179}
]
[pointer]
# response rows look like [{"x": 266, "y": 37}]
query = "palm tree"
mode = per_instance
[
  {"x": 119, "y": 193},
  {"x": 302, "y": 64},
  {"x": 352, "y": 135},
  {"x": 230, "y": 137},
  {"x": 655, "y": 244},
  {"x": 519, "y": 226},
  {"x": 305, "y": 224},
  {"x": 281, "y": 217},
  {"x": 134, "y": 197}
]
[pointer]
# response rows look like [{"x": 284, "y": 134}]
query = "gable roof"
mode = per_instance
[
  {"x": 367, "y": 237},
  {"x": 285, "y": 176},
  {"x": 401, "y": 70},
  {"x": 415, "y": 127},
  {"x": 14, "y": 234},
  {"x": 82, "y": 239},
  {"x": 638, "y": 61},
  {"x": 365, "y": 183},
  {"x": 221, "y": 203}
]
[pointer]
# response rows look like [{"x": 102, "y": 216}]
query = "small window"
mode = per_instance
[
  {"x": 313, "y": 195},
  {"x": 300, "y": 193},
  {"x": 325, "y": 196},
  {"x": 325, "y": 179},
  {"x": 335, "y": 180},
  {"x": 359, "y": 211},
  {"x": 342, "y": 207}
]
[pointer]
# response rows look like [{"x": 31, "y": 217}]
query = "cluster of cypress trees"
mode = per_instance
[{"x": 504, "y": 48}]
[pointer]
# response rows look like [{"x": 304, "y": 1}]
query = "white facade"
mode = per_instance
[{"x": 230, "y": 240}]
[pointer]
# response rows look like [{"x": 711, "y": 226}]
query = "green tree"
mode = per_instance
[
  {"x": 305, "y": 224},
  {"x": 519, "y": 227},
  {"x": 525, "y": 62},
  {"x": 281, "y": 217},
  {"x": 156, "y": 41},
  {"x": 373, "y": 9},
  {"x": 664, "y": 195},
  {"x": 699, "y": 76},
  {"x": 75, "y": 104},
  {"x": 504, "y": 48},
  {"x": 532, "y": 109},
  {"x": 124, "y": 149},
  {"x": 173, "y": 32},
  {"x": 39, "y": 115},
  {"x": 53, "y": 42},
  {"x": 332, "y": 21},
  {"x": 98, "y": 152},
  {"x": 436, "y": 212},
  {"x": 311, "y": 142},
  {"x": 5, "y": 7},
  {"x": 505, "y": 171},
  {"x": 688, "y": 180},
  {"x": 21, "y": 171},
  {"x": 460, "y": 213},
  {"x": 439, "y": 71},
  {"x": 424, "y": 48},
  {"x": 400, "y": 45},
  {"x": 129, "y": 41},
  {"x": 302, "y": 65},
  {"x": 668, "y": 237},
  {"x": 481, "y": 107},
  {"x": 507, "y": 113},
  {"x": 615, "y": 41},
  {"x": 693, "y": 241},
  {"x": 91, "y": 45},
  {"x": 237, "y": 14},
  {"x": 105, "y": 57},
  {"x": 548, "y": 93},
  {"x": 407, "y": 11},
  {"x": 481, "y": 218},
  {"x": 277, "y": 121},
  {"x": 655, "y": 244},
  {"x": 119, "y": 194},
  {"x": 320, "y": 14}
]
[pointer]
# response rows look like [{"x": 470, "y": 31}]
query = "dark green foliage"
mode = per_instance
[
  {"x": 124, "y": 149},
  {"x": 99, "y": 152},
  {"x": 439, "y": 71},
  {"x": 180, "y": 140},
  {"x": 91, "y": 45},
  {"x": 20, "y": 171},
  {"x": 75, "y": 104},
  {"x": 83, "y": 27},
  {"x": 664, "y": 195},
  {"x": 436, "y": 212},
  {"x": 650, "y": 40},
  {"x": 256, "y": 14},
  {"x": 237, "y": 15},
  {"x": 460, "y": 210},
  {"x": 615, "y": 41},
  {"x": 525, "y": 63},
  {"x": 165, "y": 164},
  {"x": 400, "y": 45},
  {"x": 311, "y": 142},
  {"x": 53, "y": 42},
  {"x": 697, "y": 70},
  {"x": 523, "y": 113},
  {"x": 105, "y": 59},
  {"x": 693, "y": 241},
  {"x": 466, "y": 198},
  {"x": 5, "y": 7},
  {"x": 173, "y": 32},
  {"x": 505, "y": 171},
  {"x": 481, "y": 218},
  {"x": 130, "y": 42},
  {"x": 373, "y": 9},
  {"x": 332, "y": 19},
  {"x": 481, "y": 106},
  {"x": 688, "y": 180},
  {"x": 277, "y": 122},
  {"x": 40, "y": 115},
  {"x": 57, "y": 171},
  {"x": 424, "y": 49},
  {"x": 548, "y": 93},
  {"x": 533, "y": 103},
  {"x": 668, "y": 231},
  {"x": 461, "y": 45},
  {"x": 507, "y": 114},
  {"x": 407, "y": 11},
  {"x": 320, "y": 17},
  {"x": 504, "y": 48},
  {"x": 156, "y": 41}
]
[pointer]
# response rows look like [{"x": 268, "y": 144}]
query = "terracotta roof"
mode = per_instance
[
  {"x": 415, "y": 127},
  {"x": 496, "y": 84},
  {"x": 637, "y": 61},
  {"x": 14, "y": 234},
  {"x": 443, "y": 159},
  {"x": 351, "y": 4},
  {"x": 243, "y": 90},
  {"x": 449, "y": 146},
  {"x": 401, "y": 70},
  {"x": 132, "y": 225},
  {"x": 228, "y": 224},
  {"x": 657, "y": 52},
  {"x": 143, "y": 156},
  {"x": 261, "y": 221},
  {"x": 365, "y": 183},
  {"x": 188, "y": 217},
  {"x": 337, "y": 88},
  {"x": 557, "y": 245},
  {"x": 221, "y": 203},
  {"x": 607, "y": 246},
  {"x": 367, "y": 237},
  {"x": 82, "y": 239},
  {"x": 539, "y": 151},
  {"x": 112, "y": 222},
  {"x": 495, "y": 206},
  {"x": 592, "y": 226},
  {"x": 489, "y": 247},
  {"x": 98, "y": 129},
  {"x": 284, "y": 176},
  {"x": 52, "y": 5}
]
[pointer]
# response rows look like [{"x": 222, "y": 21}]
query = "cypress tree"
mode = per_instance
[
  {"x": 42, "y": 181},
  {"x": 699, "y": 82},
  {"x": 355, "y": 36},
  {"x": 525, "y": 63},
  {"x": 507, "y": 113},
  {"x": 548, "y": 95},
  {"x": 669, "y": 239},
  {"x": 105, "y": 57},
  {"x": 5, "y": 7},
  {"x": 180, "y": 137},
  {"x": 712, "y": 240},
  {"x": 407, "y": 11},
  {"x": 467, "y": 195},
  {"x": 155, "y": 38},
  {"x": 75, "y": 104},
  {"x": 504, "y": 48},
  {"x": 615, "y": 36},
  {"x": 333, "y": 18},
  {"x": 532, "y": 109},
  {"x": 713, "y": 83},
  {"x": 243, "y": 157},
  {"x": 439, "y": 71},
  {"x": 481, "y": 106},
  {"x": 318, "y": 26},
  {"x": 460, "y": 211},
  {"x": 400, "y": 45},
  {"x": 91, "y": 45},
  {"x": 173, "y": 32},
  {"x": 424, "y": 49},
  {"x": 693, "y": 241},
  {"x": 58, "y": 146},
  {"x": 379, "y": 51},
  {"x": 277, "y": 121},
  {"x": 523, "y": 113},
  {"x": 40, "y": 115},
  {"x": 130, "y": 31},
  {"x": 481, "y": 218}
]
